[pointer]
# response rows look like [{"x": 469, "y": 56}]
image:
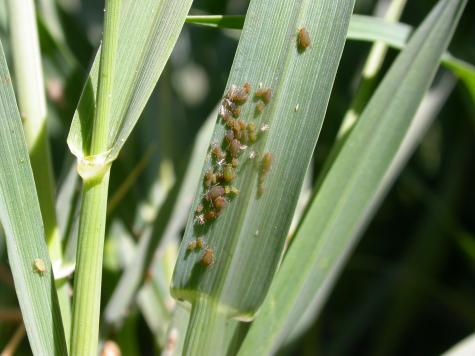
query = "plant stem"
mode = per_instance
[
  {"x": 205, "y": 332},
  {"x": 95, "y": 171},
  {"x": 87, "y": 282}
]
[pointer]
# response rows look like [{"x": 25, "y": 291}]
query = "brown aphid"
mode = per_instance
[
  {"x": 214, "y": 192},
  {"x": 234, "y": 148},
  {"x": 191, "y": 245},
  {"x": 234, "y": 162},
  {"x": 232, "y": 107},
  {"x": 303, "y": 39},
  {"x": 209, "y": 178},
  {"x": 208, "y": 257},
  {"x": 229, "y": 136},
  {"x": 200, "y": 243},
  {"x": 260, "y": 189},
  {"x": 266, "y": 162},
  {"x": 220, "y": 203},
  {"x": 199, "y": 208},
  {"x": 265, "y": 94},
  {"x": 210, "y": 215},
  {"x": 239, "y": 95},
  {"x": 216, "y": 152}
]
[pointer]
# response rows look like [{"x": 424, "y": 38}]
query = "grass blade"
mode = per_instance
[
  {"x": 20, "y": 216},
  {"x": 301, "y": 82},
  {"x": 143, "y": 54},
  {"x": 363, "y": 28},
  {"x": 356, "y": 179}
]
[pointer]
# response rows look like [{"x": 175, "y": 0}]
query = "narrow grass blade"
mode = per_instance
[
  {"x": 149, "y": 30},
  {"x": 355, "y": 182},
  {"x": 247, "y": 240},
  {"x": 21, "y": 219},
  {"x": 363, "y": 28}
]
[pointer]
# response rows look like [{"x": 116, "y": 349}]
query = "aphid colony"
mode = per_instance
[{"x": 218, "y": 179}]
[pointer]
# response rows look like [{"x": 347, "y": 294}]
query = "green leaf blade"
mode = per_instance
[
  {"x": 248, "y": 239},
  {"x": 142, "y": 59},
  {"x": 345, "y": 199},
  {"x": 21, "y": 219}
]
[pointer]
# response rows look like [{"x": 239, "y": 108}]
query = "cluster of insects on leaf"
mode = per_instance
[{"x": 218, "y": 180}]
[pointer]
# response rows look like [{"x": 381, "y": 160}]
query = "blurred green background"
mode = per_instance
[{"x": 409, "y": 287}]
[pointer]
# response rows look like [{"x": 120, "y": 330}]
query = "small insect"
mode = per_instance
[
  {"x": 296, "y": 108},
  {"x": 251, "y": 129},
  {"x": 231, "y": 190},
  {"x": 265, "y": 94},
  {"x": 239, "y": 95},
  {"x": 39, "y": 266},
  {"x": 216, "y": 152},
  {"x": 234, "y": 162},
  {"x": 208, "y": 257},
  {"x": 200, "y": 243},
  {"x": 209, "y": 178},
  {"x": 228, "y": 173},
  {"x": 220, "y": 203},
  {"x": 199, "y": 208},
  {"x": 213, "y": 193},
  {"x": 260, "y": 106},
  {"x": 191, "y": 245},
  {"x": 266, "y": 162},
  {"x": 210, "y": 215},
  {"x": 232, "y": 107},
  {"x": 229, "y": 136},
  {"x": 234, "y": 148},
  {"x": 303, "y": 39}
]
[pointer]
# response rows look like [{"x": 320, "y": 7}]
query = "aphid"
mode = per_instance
[
  {"x": 232, "y": 107},
  {"x": 234, "y": 162},
  {"x": 216, "y": 152},
  {"x": 228, "y": 173},
  {"x": 191, "y": 245},
  {"x": 210, "y": 215},
  {"x": 199, "y": 208},
  {"x": 229, "y": 136},
  {"x": 260, "y": 106},
  {"x": 239, "y": 95},
  {"x": 209, "y": 178},
  {"x": 220, "y": 203},
  {"x": 265, "y": 94},
  {"x": 200, "y": 243},
  {"x": 234, "y": 148},
  {"x": 266, "y": 162},
  {"x": 296, "y": 108},
  {"x": 303, "y": 39},
  {"x": 216, "y": 191},
  {"x": 224, "y": 113},
  {"x": 39, "y": 266},
  {"x": 231, "y": 190},
  {"x": 251, "y": 129},
  {"x": 208, "y": 257}
]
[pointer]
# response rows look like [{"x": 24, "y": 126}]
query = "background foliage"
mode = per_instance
[{"x": 408, "y": 287}]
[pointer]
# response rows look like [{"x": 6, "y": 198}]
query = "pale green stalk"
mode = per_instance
[
  {"x": 205, "y": 331},
  {"x": 370, "y": 72},
  {"x": 92, "y": 221},
  {"x": 32, "y": 106}
]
